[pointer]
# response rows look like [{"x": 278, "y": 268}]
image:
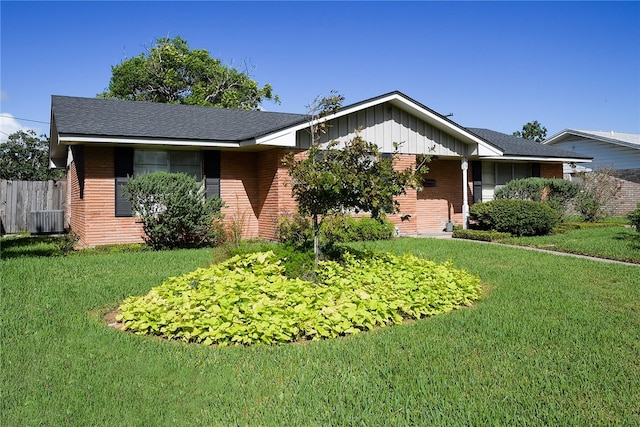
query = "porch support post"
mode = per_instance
[{"x": 465, "y": 192}]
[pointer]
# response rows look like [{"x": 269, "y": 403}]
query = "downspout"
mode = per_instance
[{"x": 465, "y": 192}]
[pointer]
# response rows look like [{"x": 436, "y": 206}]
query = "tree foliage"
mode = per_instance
[
  {"x": 345, "y": 176},
  {"x": 25, "y": 157},
  {"x": 533, "y": 131},
  {"x": 173, "y": 210},
  {"x": 600, "y": 188},
  {"x": 170, "y": 72}
]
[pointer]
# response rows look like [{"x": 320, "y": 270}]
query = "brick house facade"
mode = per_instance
[{"x": 87, "y": 138}]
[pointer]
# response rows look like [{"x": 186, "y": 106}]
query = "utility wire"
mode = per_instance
[{"x": 20, "y": 118}]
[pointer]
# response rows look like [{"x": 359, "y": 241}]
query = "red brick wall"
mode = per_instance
[
  {"x": 443, "y": 202},
  {"x": 551, "y": 170},
  {"x": 93, "y": 217},
  {"x": 239, "y": 191}
]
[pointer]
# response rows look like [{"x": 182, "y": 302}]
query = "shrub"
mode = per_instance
[
  {"x": 173, "y": 210},
  {"x": 599, "y": 189},
  {"x": 296, "y": 229},
  {"x": 518, "y": 217},
  {"x": 481, "y": 235},
  {"x": 345, "y": 228},
  {"x": 634, "y": 218},
  {"x": 248, "y": 299},
  {"x": 557, "y": 193}
]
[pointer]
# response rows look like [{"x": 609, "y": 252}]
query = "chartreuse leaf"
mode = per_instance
[{"x": 248, "y": 299}]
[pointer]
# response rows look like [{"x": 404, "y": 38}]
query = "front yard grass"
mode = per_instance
[
  {"x": 554, "y": 341},
  {"x": 614, "y": 242}
]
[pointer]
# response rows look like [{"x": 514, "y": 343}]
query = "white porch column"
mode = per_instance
[{"x": 465, "y": 190}]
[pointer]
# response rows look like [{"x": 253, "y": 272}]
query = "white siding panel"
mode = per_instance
[
  {"x": 604, "y": 154},
  {"x": 386, "y": 124}
]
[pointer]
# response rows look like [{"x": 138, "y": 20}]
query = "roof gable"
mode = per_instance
[
  {"x": 630, "y": 140},
  {"x": 513, "y": 146}
]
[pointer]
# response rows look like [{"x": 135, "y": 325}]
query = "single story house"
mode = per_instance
[
  {"x": 239, "y": 156},
  {"x": 617, "y": 151}
]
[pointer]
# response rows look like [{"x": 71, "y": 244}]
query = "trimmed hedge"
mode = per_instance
[
  {"x": 481, "y": 235},
  {"x": 518, "y": 217}
]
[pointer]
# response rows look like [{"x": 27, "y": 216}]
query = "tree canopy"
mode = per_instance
[
  {"x": 533, "y": 131},
  {"x": 170, "y": 72},
  {"x": 25, "y": 157}
]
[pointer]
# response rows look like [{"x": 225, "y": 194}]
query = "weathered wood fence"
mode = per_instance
[{"x": 19, "y": 198}]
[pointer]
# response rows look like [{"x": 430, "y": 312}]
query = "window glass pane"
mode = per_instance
[
  {"x": 521, "y": 170},
  {"x": 503, "y": 173},
  {"x": 187, "y": 162},
  {"x": 488, "y": 173},
  {"x": 147, "y": 161}
]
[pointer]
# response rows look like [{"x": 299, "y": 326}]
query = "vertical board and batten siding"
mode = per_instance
[
  {"x": 386, "y": 124},
  {"x": 19, "y": 198}
]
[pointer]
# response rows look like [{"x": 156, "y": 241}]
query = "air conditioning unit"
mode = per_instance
[{"x": 47, "y": 222}]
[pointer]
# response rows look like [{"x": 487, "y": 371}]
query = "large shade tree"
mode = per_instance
[
  {"x": 171, "y": 72},
  {"x": 25, "y": 157},
  {"x": 533, "y": 131}
]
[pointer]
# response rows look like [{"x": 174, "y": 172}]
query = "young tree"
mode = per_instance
[
  {"x": 170, "y": 72},
  {"x": 533, "y": 131},
  {"x": 346, "y": 176},
  {"x": 25, "y": 157}
]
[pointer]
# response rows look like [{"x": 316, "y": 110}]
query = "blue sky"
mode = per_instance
[{"x": 496, "y": 65}]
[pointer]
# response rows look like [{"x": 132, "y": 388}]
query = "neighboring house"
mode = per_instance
[
  {"x": 617, "y": 151},
  {"x": 239, "y": 156}
]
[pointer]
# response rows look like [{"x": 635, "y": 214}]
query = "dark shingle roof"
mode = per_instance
[
  {"x": 514, "y": 146},
  {"x": 111, "y": 117}
]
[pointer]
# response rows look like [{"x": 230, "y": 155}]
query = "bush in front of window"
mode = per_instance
[
  {"x": 518, "y": 217},
  {"x": 634, "y": 218},
  {"x": 557, "y": 193},
  {"x": 173, "y": 210}
]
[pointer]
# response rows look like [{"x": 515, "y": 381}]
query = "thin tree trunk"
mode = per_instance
[{"x": 316, "y": 232}]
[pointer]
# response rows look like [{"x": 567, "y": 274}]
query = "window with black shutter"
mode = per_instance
[
  {"x": 212, "y": 173},
  {"x": 123, "y": 160}
]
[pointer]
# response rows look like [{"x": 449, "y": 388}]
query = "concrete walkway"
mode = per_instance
[{"x": 445, "y": 235}]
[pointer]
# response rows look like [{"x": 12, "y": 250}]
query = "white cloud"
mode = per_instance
[{"x": 9, "y": 125}]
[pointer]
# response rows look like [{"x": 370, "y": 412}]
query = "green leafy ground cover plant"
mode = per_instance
[
  {"x": 553, "y": 341},
  {"x": 249, "y": 299}
]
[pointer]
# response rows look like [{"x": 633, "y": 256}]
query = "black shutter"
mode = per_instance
[
  {"x": 476, "y": 173},
  {"x": 123, "y": 161},
  {"x": 212, "y": 173},
  {"x": 535, "y": 170}
]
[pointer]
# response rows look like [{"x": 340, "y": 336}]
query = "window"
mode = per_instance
[
  {"x": 131, "y": 162},
  {"x": 148, "y": 161}
]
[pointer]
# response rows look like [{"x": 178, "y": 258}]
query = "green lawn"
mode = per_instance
[
  {"x": 616, "y": 242},
  {"x": 554, "y": 341}
]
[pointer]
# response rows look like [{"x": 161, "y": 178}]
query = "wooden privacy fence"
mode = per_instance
[{"x": 19, "y": 198}]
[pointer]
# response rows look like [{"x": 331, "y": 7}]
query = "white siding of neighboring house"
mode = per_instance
[{"x": 605, "y": 155}]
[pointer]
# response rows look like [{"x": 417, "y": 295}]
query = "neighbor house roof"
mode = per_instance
[
  {"x": 630, "y": 140},
  {"x": 513, "y": 146}
]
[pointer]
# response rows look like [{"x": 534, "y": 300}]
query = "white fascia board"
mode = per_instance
[
  {"x": 284, "y": 138},
  {"x": 538, "y": 159},
  {"x": 79, "y": 140},
  {"x": 415, "y": 109}
]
